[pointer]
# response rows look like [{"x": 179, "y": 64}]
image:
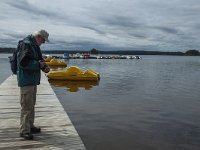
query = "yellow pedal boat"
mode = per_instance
[
  {"x": 48, "y": 59},
  {"x": 74, "y": 73},
  {"x": 55, "y": 62}
]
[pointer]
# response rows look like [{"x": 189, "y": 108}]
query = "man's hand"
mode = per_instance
[{"x": 44, "y": 67}]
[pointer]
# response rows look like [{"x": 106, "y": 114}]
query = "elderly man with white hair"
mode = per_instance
[{"x": 29, "y": 64}]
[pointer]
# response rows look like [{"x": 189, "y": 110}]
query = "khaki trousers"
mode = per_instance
[{"x": 27, "y": 101}]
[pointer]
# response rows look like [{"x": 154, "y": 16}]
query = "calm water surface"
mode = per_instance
[
  {"x": 147, "y": 104},
  {"x": 4, "y": 67}
]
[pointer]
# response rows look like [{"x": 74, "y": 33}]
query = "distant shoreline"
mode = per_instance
[{"x": 119, "y": 52}]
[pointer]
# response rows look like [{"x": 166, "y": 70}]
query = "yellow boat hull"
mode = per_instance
[
  {"x": 74, "y": 73},
  {"x": 48, "y": 59},
  {"x": 55, "y": 62}
]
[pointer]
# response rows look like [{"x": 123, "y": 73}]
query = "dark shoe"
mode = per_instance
[
  {"x": 26, "y": 136},
  {"x": 35, "y": 130}
]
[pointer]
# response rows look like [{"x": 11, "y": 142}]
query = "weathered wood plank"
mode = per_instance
[{"x": 57, "y": 130}]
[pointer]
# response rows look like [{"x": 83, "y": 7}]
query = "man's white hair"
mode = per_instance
[{"x": 42, "y": 33}]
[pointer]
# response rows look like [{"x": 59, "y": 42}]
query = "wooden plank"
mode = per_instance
[{"x": 58, "y": 131}]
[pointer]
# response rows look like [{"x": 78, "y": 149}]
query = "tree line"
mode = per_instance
[
  {"x": 187, "y": 53},
  {"x": 6, "y": 50},
  {"x": 191, "y": 52}
]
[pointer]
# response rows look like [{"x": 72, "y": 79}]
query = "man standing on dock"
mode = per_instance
[{"x": 29, "y": 64}]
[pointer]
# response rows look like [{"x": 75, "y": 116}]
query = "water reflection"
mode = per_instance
[{"x": 73, "y": 86}]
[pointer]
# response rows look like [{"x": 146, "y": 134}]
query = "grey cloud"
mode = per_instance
[
  {"x": 166, "y": 29},
  {"x": 140, "y": 36},
  {"x": 152, "y": 24},
  {"x": 16, "y": 36},
  {"x": 98, "y": 31},
  {"x": 7, "y": 42},
  {"x": 78, "y": 44},
  {"x": 121, "y": 21},
  {"x": 23, "y": 5}
]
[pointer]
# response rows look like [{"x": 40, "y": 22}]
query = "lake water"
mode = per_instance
[{"x": 147, "y": 104}]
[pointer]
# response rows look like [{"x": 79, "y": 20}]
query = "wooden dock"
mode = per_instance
[{"x": 58, "y": 132}]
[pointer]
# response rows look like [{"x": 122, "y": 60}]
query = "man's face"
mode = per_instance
[{"x": 40, "y": 40}]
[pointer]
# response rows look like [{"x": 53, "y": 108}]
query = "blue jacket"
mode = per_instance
[{"x": 28, "y": 66}]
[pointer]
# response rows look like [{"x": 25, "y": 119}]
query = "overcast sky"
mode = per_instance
[{"x": 172, "y": 25}]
